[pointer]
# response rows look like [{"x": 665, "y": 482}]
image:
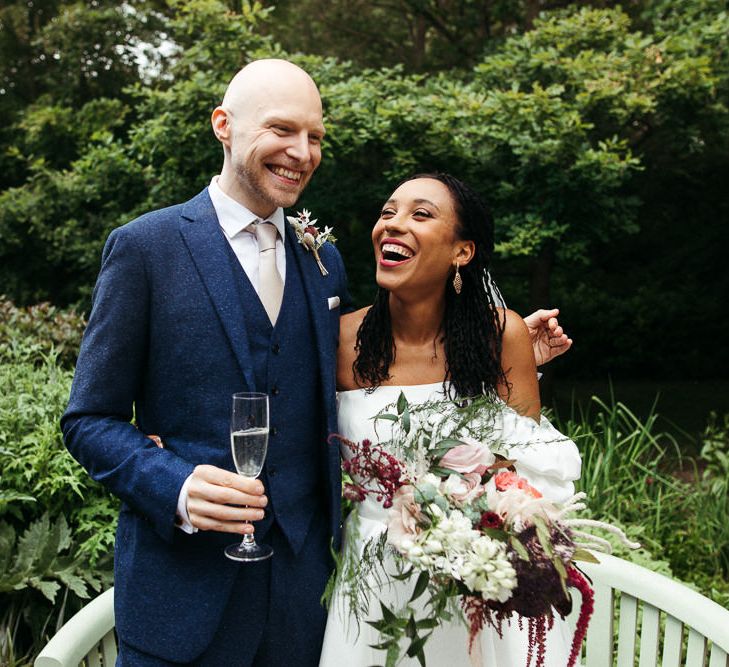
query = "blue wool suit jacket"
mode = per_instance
[{"x": 166, "y": 344}]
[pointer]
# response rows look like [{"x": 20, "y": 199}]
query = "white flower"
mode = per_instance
[{"x": 488, "y": 571}]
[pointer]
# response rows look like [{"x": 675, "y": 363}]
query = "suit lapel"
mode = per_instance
[
  {"x": 314, "y": 287},
  {"x": 210, "y": 252}
]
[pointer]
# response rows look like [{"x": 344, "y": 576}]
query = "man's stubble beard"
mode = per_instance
[{"x": 252, "y": 182}]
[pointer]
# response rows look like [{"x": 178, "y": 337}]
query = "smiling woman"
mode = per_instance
[
  {"x": 434, "y": 331},
  {"x": 420, "y": 328}
]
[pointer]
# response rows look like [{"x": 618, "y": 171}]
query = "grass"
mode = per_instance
[{"x": 635, "y": 475}]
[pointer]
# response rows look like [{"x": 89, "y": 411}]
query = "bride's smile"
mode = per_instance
[{"x": 416, "y": 239}]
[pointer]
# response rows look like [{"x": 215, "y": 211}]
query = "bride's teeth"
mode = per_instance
[{"x": 397, "y": 250}]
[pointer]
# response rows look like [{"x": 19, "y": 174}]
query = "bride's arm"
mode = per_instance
[{"x": 521, "y": 391}]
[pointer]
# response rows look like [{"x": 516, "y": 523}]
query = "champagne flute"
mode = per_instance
[{"x": 248, "y": 442}]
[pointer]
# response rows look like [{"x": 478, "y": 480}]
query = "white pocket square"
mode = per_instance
[{"x": 333, "y": 302}]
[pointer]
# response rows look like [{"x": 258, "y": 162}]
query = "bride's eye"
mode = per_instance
[
  {"x": 422, "y": 213},
  {"x": 386, "y": 212}
]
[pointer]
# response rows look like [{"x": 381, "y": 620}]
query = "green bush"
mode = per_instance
[{"x": 56, "y": 524}]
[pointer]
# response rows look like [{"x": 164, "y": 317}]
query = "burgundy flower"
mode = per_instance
[
  {"x": 490, "y": 520},
  {"x": 378, "y": 473}
]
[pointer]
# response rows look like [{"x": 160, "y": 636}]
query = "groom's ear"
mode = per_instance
[
  {"x": 465, "y": 251},
  {"x": 221, "y": 125}
]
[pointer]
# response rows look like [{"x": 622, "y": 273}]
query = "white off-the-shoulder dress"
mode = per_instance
[{"x": 550, "y": 462}]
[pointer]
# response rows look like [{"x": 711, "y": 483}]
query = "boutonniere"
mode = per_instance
[{"x": 310, "y": 237}]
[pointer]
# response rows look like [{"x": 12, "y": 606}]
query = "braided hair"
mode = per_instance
[{"x": 472, "y": 329}]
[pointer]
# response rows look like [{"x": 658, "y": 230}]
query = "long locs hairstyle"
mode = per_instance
[{"x": 472, "y": 327}]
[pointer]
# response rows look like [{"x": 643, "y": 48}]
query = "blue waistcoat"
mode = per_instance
[{"x": 285, "y": 369}]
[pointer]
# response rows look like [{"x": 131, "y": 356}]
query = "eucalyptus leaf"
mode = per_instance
[{"x": 420, "y": 585}]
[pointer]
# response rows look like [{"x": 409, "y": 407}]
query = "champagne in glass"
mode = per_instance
[{"x": 248, "y": 442}]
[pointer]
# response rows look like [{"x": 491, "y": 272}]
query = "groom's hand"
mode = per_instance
[
  {"x": 221, "y": 500},
  {"x": 548, "y": 338}
]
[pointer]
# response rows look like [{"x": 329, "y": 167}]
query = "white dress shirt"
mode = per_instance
[{"x": 234, "y": 219}]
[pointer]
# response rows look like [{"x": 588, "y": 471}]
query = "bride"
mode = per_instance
[{"x": 434, "y": 330}]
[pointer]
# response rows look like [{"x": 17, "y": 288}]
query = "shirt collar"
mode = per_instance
[{"x": 234, "y": 217}]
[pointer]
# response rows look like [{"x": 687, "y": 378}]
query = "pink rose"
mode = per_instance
[
  {"x": 507, "y": 480},
  {"x": 471, "y": 456},
  {"x": 403, "y": 516}
]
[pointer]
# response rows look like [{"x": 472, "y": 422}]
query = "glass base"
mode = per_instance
[{"x": 248, "y": 553}]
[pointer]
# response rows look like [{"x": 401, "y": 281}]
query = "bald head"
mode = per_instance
[
  {"x": 267, "y": 81},
  {"x": 270, "y": 125}
]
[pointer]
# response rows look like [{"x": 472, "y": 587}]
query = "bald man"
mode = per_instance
[{"x": 191, "y": 306}]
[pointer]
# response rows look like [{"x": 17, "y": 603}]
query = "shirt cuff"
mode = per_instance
[{"x": 182, "y": 520}]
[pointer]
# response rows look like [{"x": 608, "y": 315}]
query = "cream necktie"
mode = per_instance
[{"x": 270, "y": 285}]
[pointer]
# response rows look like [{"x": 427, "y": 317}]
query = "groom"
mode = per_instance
[
  {"x": 187, "y": 310},
  {"x": 193, "y": 303}
]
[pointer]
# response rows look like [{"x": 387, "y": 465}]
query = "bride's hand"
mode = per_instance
[{"x": 548, "y": 338}]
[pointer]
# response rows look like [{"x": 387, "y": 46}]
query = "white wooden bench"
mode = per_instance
[{"x": 641, "y": 619}]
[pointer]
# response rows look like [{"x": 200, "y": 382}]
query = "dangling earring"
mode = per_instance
[{"x": 457, "y": 281}]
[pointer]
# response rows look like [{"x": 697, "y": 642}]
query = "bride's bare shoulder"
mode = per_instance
[{"x": 348, "y": 326}]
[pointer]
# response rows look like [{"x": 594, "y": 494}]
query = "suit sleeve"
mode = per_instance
[{"x": 97, "y": 426}]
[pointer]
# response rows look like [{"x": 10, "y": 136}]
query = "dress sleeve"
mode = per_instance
[{"x": 549, "y": 460}]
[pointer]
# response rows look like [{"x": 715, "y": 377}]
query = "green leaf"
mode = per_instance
[
  {"x": 585, "y": 556},
  {"x": 497, "y": 534},
  {"x": 416, "y": 646},
  {"x": 75, "y": 583},
  {"x": 420, "y": 585},
  {"x": 387, "y": 614},
  {"x": 520, "y": 549},
  {"x": 442, "y": 447},
  {"x": 406, "y": 420},
  {"x": 543, "y": 536},
  {"x": 562, "y": 572},
  {"x": 388, "y": 417},
  {"x": 425, "y": 493},
  {"x": 48, "y": 588},
  {"x": 402, "y": 403},
  {"x": 411, "y": 630}
]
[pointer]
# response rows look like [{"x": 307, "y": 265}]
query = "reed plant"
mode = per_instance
[{"x": 635, "y": 475}]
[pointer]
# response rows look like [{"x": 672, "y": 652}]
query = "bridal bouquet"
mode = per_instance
[{"x": 467, "y": 528}]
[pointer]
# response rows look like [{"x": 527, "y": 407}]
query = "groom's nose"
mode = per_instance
[{"x": 299, "y": 147}]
